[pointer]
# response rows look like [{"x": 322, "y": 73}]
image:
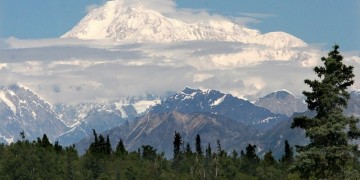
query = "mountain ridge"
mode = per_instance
[{"x": 114, "y": 21}]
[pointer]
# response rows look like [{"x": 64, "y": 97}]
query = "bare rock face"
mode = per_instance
[{"x": 282, "y": 102}]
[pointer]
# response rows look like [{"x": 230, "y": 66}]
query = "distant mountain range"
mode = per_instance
[
  {"x": 210, "y": 101},
  {"x": 210, "y": 113},
  {"x": 23, "y": 110}
]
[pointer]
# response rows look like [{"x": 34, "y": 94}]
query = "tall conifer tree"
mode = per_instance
[
  {"x": 198, "y": 145},
  {"x": 329, "y": 154}
]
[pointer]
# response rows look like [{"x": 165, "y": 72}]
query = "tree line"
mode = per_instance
[{"x": 40, "y": 159}]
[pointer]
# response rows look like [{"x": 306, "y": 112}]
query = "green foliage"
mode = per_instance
[
  {"x": 198, "y": 145},
  {"x": 288, "y": 157},
  {"x": 250, "y": 160},
  {"x": 100, "y": 147},
  {"x": 177, "y": 144},
  {"x": 148, "y": 153},
  {"x": 268, "y": 168},
  {"x": 329, "y": 154},
  {"x": 120, "y": 149}
]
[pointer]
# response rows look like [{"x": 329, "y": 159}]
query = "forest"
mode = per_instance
[{"x": 42, "y": 160}]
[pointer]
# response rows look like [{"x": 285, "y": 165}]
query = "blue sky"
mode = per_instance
[
  {"x": 71, "y": 70},
  {"x": 316, "y": 22}
]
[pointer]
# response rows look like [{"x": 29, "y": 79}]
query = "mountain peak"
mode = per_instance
[
  {"x": 282, "y": 94},
  {"x": 123, "y": 22},
  {"x": 282, "y": 102},
  {"x": 189, "y": 90}
]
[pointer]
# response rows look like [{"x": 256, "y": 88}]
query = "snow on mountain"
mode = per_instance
[
  {"x": 138, "y": 24},
  {"x": 195, "y": 100},
  {"x": 23, "y": 110},
  {"x": 282, "y": 102},
  {"x": 114, "y": 21},
  {"x": 85, "y": 117}
]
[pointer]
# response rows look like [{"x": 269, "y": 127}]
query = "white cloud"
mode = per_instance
[
  {"x": 76, "y": 70},
  {"x": 70, "y": 70}
]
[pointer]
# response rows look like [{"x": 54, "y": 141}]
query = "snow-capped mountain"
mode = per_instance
[
  {"x": 23, "y": 110},
  {"x": 282, "y": 102},
  {"x": 118, "y": 22},
  {"x": 114, "y": 21},
  {"x": 212, "y": 101},
  {"x": 85, "y": 117},
  {"x": 158, "y": 130}
]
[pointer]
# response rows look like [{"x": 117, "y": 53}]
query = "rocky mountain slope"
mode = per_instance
[
  {"x": 282, "y": 102},
  {"x": 23, "y": 110},
  {"x": 211, "y": 101},
  {"x": 158, "y": 130},
  {"x": 85, "y": 117}
]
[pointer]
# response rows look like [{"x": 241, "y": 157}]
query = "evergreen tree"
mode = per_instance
[
  {"x": 108, "y": 149},
  {"x": 268, "y": 169},
  {"x": 177, "y": 144},
  {"x": 188, "y": 149},
  {"x": 251, "y": 153},
  {"x": 120, "y": 148},
  {"x": 198, "y": 145},
  {"x": 148, "y": 152},
  {"x": 242, "y": 154},
  {"x": 208, "y": 151},
  {"x": 329, "y": 154},
  {"x": 58, "y": 148},
  {"x": 234, "y": 155},
  {"x": 45, "y": 143},
  {"x": 22, "y": 135},
  {"x": 288, "y": 157},
  {"x": 250, "y": 160},
  {"x": 268, "y": 159},
  {"x": 220, "y": 151}
]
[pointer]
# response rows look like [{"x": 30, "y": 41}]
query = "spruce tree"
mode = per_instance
[
  {"x": 188, "y": 149},
  {"x": 329, "y": 155},
  {"x": 287, "y": 158},
  {"x": 177, "y": 144},
  {"x": 250, "y": 160},
  {"x": 108, "y": 148},
  {"x": 45, "y": 143},
  {"x": 198, "y": 145},
  {"x": 120, "y": 148},
  {"x": 208, "y": 151}
]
